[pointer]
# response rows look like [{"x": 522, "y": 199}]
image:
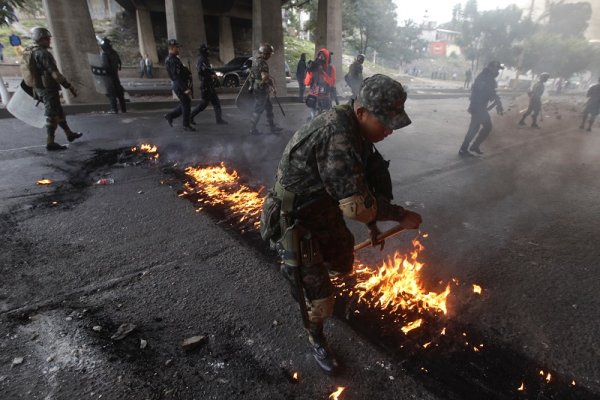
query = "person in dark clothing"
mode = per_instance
[
  {"x": 354, "y": 77},
  {"x": 48, "y": 81},
  {"x": 535, "y": 100},
  {"x": 468, "y": 77},
  {"x": 483, "y": 92},
  {"x": 592, "y": 107},
  {"x": 181, "y": 84},
  {"x": 320, "y": 77},
  {"x": 112, "y": 62},
  {"x": 300, "y": 75},
  {"x": 334, "y": 93},
  {"x": 208, "y": 93}
]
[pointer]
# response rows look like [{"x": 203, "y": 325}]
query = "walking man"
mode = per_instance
[
  {"x": 181, "y": 84},
  {"x": 300, "y": 75},
  {"x": 208, "y": 93},
  {"x": 354, "y": 77},
  {"x": 262, "y": 85},
  {"x": 483, "y": 98},
  {"x": 48, "y": 81},
  {"x": 592, "y": 107},
  {"x": 535, "y": 100},
  {"x": 112, "y": 62}
]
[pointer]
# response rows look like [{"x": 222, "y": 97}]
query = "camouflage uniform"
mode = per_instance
[
  {"x": 355, "y": 77},
  {"x": 261, "y": 90},
  {"x": 48, "y": 83},
  {"x": 323, "y": 163}
]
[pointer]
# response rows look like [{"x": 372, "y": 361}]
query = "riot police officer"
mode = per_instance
[
  {"x": 262, "y": 85},
  {"x": 112, "y": 62},
  {"x": 208, "y": 93},
  {"x": 48, "y": 81},
  {"x": 181, "y": 84}
]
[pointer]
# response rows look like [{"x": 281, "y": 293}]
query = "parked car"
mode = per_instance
[{"x": 235, "y": 72}]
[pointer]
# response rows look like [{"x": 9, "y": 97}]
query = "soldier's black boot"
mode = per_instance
[
  {"x": 534, "y": 123},
  {"x": 276, "y": 130},
  {"x": 71, "y": 136},
  {"x": 522, "y": 121},
  {"x": 51, "y": 145},
  {"x": 589, "y": 128},
  {"x": 321, "y": 351}
]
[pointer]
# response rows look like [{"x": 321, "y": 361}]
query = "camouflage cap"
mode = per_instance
[{"x": 384, "y": 97}]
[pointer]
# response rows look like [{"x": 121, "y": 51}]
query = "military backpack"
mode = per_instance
[{"x": 29, "y": 71}]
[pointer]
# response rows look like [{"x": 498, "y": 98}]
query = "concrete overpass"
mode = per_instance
[{"x": 187, "y": 21}]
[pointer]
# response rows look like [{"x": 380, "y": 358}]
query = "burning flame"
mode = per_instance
[
  {"x": 476, "y": 289},
  {"x": 521, "y": 388},
  {"x": 295, "y": 376},
  {"x": 548, "y": 377},
  {"x": 148, "y": 149},
  {"x": 44, "y": 182},
  {"x": 396, "y": 286},
  {"x": 216, "y": 186},
  {"x": 411, "y": 325},
  {"x": 336, "y": 395}
]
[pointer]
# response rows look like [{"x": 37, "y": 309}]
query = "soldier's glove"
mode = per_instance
[
  {"x": 73, "y": 91},
  {"x": 373, "y": 234},
  {"x": 409, "y": 219}
]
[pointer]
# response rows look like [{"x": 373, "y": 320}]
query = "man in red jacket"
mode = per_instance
[{"x": 320, "y": 78}]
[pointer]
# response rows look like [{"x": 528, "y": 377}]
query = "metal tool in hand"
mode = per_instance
[
  {"x": 279, "y": 104},
  {"x": 382, "y": 236}
]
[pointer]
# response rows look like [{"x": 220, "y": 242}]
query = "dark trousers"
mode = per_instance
[
  {"x": 301, "y": 90},
  {"x": 184, "y": 107},
  {"x": 208, "y": 96},
  {"x": 479, "y": 129},
  {"x": 262, "y": 103},
  {"x": 534, "y": 108}
]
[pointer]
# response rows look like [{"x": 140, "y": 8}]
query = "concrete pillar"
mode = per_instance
[
  {"x": 226, "y": 51},
  {"x": 266, "y": 27},
  {"x": 329, "y": 32},
  {"x": 72, "y": 38},
  {"x": 146, "y": 34}
]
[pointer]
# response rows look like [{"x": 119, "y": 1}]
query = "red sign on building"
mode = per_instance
[{"x": 438, "y": 48}]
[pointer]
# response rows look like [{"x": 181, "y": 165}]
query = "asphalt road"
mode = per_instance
[{"x": 521, "y": 222}]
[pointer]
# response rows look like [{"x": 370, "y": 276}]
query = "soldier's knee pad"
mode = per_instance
[{"x": 320, "y": 309}]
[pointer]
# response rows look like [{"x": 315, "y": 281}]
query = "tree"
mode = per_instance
[
  {"x": 569, "y": 19},
  {"x": 369, "y": 24}
]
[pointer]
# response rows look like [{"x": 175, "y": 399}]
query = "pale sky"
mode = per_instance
[{"x": 440, "y": 11}]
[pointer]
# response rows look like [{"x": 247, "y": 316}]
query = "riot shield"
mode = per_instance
[
  {"x": 24, "y": 107},
  {"x": 245, "y": 99},
  {"x": 102, "y": 81}
]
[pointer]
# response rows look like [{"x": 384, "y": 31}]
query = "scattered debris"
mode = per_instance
[
  {"x": 43, "y": 182},
  {"x": 140, "y": 192},
  {"x": 97, "y": 328},
  {"x": 123, "y": 331},
  {"x": 168, "y": 362},
  {"x": 17, "y": 361},
  {"x": 194, "y": 342},
  {"x": 143, "y": 344},
  {"x": 50, "y": 359},
  {"x": 105, "y": 181}
]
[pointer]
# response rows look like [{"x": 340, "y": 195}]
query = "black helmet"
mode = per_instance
[
  {"x": 39, "y": 33},
  {"x": 173, "y": 43},
  {"x": 495, "y": 65},
  {"x": 266, "y": 48},
  {"x": 203, "y": 49},
  {"x": 105, "y": 43}
]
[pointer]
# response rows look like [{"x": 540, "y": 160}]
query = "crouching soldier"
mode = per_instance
[{"x": 326, "y": 173}]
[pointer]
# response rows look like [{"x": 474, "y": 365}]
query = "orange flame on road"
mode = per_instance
[
  {"x": 44, "y": 182},
  {"x": 148, "y": 149},
  {"x": 476, "y": 289},
  {"x": 336, "y": 395},
  {"x": 221, "y": 187}
]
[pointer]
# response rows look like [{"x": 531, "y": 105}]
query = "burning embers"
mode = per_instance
[
  {"x": 395, "y": 287},
  {"x": 150, "y": 150},
  {"x": 216, "y": 186}
]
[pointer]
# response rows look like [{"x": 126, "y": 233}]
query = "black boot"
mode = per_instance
[
  {"x": 221, "y": 121},
  {"x": 275, "y": 130},
  {"x": 169, "y": 119},
  {"x": 71, "y": 136},
  {"x": 321, "y": 351},
  {"x": 51, "y": 145},
  {"x": 253, "y": 123}
]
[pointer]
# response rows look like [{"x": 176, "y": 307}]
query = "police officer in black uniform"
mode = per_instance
[
  {"x": 48, "y": 81},
  {"x": 208, "y": 93},
  {"x": 112, "y": 62},
  {"x": 181, "y": 79}
]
